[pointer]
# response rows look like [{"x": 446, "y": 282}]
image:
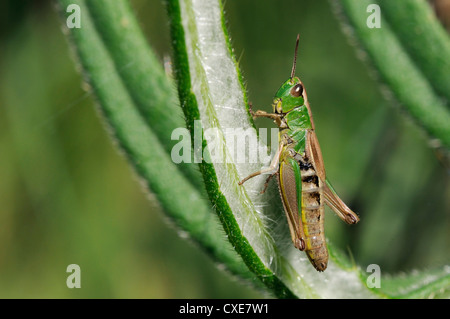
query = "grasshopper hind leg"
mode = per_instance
[{"x": 273, "y": 166}]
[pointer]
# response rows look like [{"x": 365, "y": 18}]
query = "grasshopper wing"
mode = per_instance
[
  {"x": 331, "y": 198},
  {"x": 313, "y": 152},
  {"x": 290, "y": 183}
]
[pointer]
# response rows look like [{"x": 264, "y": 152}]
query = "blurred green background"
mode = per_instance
[{"x": 68, "y": 196}]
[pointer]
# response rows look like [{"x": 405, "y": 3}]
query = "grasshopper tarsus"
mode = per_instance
[
  {"x": 351, "y": 219},
  {"x": 300, "y": 244},
  {"x": 250, "y": 109},
  {"x": 266, "y": 184}
]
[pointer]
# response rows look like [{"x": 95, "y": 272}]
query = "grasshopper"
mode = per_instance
[{"x": 298, "y": 164}]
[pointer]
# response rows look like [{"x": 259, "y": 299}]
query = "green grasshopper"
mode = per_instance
[{"x": 303, "y": 185}]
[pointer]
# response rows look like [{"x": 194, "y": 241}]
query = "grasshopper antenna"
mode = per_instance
[{"x": 295, "y": 57}]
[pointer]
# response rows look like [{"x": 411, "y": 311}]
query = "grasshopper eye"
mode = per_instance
[{"x": 297, "y": 90}]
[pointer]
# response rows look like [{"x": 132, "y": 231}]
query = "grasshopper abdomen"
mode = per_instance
[{"x": 312, "y": 214}]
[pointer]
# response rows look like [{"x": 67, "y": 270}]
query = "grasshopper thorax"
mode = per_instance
[{"x": 289, "y": 96}]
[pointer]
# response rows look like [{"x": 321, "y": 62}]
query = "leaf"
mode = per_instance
[
  {"x": 138, "y": 105},
  {"x": 217, "y": 189},
  {"x": 410, "y": 54},
  {"x": 433, "y": 283},
  {"x": 424, "y": 39}
]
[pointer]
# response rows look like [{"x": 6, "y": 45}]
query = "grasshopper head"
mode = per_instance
[{"x": 289, "y": 96}]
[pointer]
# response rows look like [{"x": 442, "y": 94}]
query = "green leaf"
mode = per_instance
[
  {"x": 423, "y": 38},
  {"x": 137, "y": 103},
  {"x": 218, "y": 187},
  {"x": 410, "y": 52},
  {"x": 433, "y": 283}
]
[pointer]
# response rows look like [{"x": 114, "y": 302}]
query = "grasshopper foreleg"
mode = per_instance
[{"x": 275, "y": 117}]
